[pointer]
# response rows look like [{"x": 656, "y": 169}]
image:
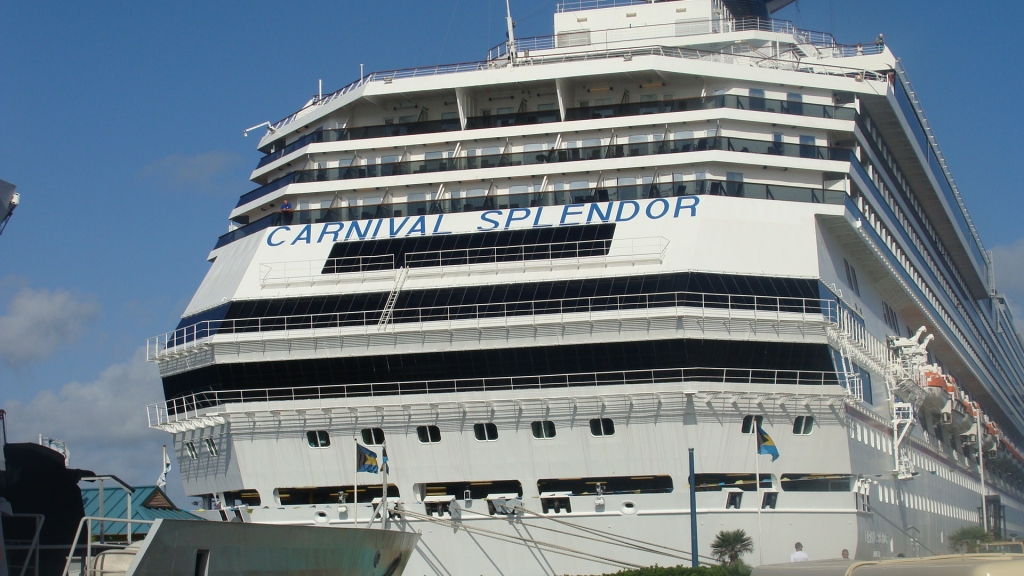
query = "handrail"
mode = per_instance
[
  {"x": 200, "y": 404},
  {"x": 390, "y": 75},
  {"x": 87, "y": 522},
  {"x": 523, "y": 158},
  {"x": 191, "y": 336},
  {"x": 33, "y": 547}
]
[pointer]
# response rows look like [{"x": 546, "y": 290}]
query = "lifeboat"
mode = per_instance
[
  {"x": 938, "y": 390},
  {"x": 957, "y": 416},
  {"x": 991, "y": 439}
]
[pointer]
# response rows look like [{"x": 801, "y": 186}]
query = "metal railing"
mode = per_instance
[
  {"x": 440, "y": 262},
  {"x": 87, "y": 523},
  {"x": 206, "y": 403},
  {"x": 30, "y": 548},
  {"x": 680, "y": 29},
  {"x": 758, "y": 307},
  {"x": 574, "y": 5},
  {"x": 790, "y": 65}
]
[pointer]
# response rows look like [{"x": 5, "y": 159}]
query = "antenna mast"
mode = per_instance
[{"x": 511, "y": 35}]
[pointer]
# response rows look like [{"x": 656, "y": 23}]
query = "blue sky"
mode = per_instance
[{"x": 121, "y": 125}]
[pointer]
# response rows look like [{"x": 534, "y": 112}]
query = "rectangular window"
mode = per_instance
[
  {"x": 428, "y": 434},
  {"x": 865, "y": 384},
  {"x": 851, "y": 277},
  {"x": 211, "y": 446},
  {"x": 374, "y": 436},
  {"x": 318, "y": 438},
  {"x": 733, "y": 184},
  {"x": 802, "y": 425},
  {"x": 660, "y": 484},
  {"x": 748, "y": 423},
  {"x": 242, "y": 498},
  {"x": 794, "y": 104},
  {"x": 891, "y": 319},
  {"x": 332, "y": 494},
  {"x": 719, "y": 482},
  {"x": 601, "y": 427},
  {"x": 543, "y": 429},
  {"x": 808, "y": 147},
  {"x": 485, "y": 431},
  {"x": 757, "y": 99},
  {"x": 817, "y": 482},
  {"x": 191, "y": 449},
  {"x": 769, "y": 500},
  {"x": 735, "y": 500}
]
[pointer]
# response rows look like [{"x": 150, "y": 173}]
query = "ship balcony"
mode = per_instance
[
  {"x": 729, "y": 101},
  {"x": 582, "y": 255},
  {"x": 675, "y": 314},
  {"x": 210, "y": 408}
]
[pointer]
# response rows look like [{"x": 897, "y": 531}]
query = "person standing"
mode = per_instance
[
  {"x": 846, "y": 554},
  {"x": 799, "y": 555}
]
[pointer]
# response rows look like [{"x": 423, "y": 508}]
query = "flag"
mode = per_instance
[
  {"x": 765, "y": 444},
  {"x": 384, "y": 460},
  {"x": 161, "y": 482},
  {"x": 366, "y": 460}
]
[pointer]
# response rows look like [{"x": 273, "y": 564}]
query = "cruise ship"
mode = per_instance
[{"x": 541, "y": 278}]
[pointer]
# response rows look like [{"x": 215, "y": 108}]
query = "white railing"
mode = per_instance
[
  {"x": 331, "y": 270},
  {"x": 495, "y": 61},
  {"x": 206, "y": 404},
  {"x": 574, "y": 5},
  {"x": 87, "y": 562},
  {"x": 771, "y": 308}
]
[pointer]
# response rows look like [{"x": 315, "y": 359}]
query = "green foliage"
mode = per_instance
[
  {"x": 737, "y": 568},
  {"x": 968, "y": 539},
  {"x": 729, "y": 545}
]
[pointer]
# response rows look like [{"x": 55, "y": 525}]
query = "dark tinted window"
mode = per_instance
[
  {"x": 373, "y": 436},
  {"x": 659, "y": 484},
  {"x": 748, "y": 423},
  {"x": 428, "y": 434},
  {"x": 543, "y": 429},
  {"x": 602, "y": 427},
  {"x": 485, "y": 432}
]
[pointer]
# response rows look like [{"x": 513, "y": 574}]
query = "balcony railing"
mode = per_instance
[
  {"x": 680, "y": 29},
  {"x": 553, "y": 198},
  {"x": 750, "y": 59},
  {"x": 604, "y": 152},
  {"x": 241, "y": 401},
  {"x": 547, "y": 116},
  {"x": 578, "y": 255},
  {"x": 753, "y": 307}
]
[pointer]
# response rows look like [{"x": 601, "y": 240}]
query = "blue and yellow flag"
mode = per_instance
[
  {"x": 366, "y": 460},
  {"x": 384, "y": 460},
  {"x": 765, "y": 444}
]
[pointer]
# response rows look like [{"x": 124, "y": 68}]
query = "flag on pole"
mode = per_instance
[
  {"x": 765, "y": 444},
  {"x": 366, "y": 460},
  {"x": 384, "y": 460},
  {"x": 161, "y": 482}
]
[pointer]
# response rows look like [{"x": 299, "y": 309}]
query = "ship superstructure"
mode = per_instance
[{"x": 543, "y": 276}]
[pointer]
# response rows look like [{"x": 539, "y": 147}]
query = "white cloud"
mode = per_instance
[
  {"x": 40, "y": 321},
  {"x": 103, "y": 423},
  {"x": 208, "y": 172}
]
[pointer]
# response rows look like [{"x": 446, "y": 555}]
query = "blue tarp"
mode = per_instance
[{"x": 148, "y": 503}]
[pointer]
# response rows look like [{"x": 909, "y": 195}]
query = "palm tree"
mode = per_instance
[
  {"x": 729, "y": 545},
  {"x": 968, "y": 539}
]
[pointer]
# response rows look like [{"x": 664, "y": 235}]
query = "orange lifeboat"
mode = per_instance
[{"x": 938, "y": 390}]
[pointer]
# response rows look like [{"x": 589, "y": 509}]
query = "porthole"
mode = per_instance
[
  {"x": 628, "y": 507},
  {"x": 320, "y": 517},
  {"x": 376, "y": 559}
]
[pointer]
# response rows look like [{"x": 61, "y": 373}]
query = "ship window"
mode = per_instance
[
  {"x": 803, "y": 425},
  {"x": 318, "y": 438},
  {"x": 506, "y": 110},
  {"x": 816, "y": 482},
  {"x": 794, "y": 104},
  {"x": 373, "y": 436},
  {"x": 449, "y": 115},
  {"x": 719, "y": 482},
  {"x": 660, "y": 484},
  {"x": 757, "y": 99},
  {"x": 769, "y": 500},
  {"x": 546, "y": 107},
  {"x": 543, "y": 429},
  {"x": 485, "y": 432},
  {"x": 807, "y": 147},
  {"x": 472, "y": 490},
  {"x": 851, "y": 277},
  {"x": 332, "y": 494},
  {"x": 211, "y": 446},
  {"x": 891, "y": 319},
  {"x": 748, "y": 423},
  {"x": 191, "y": 449},
  {"x": 428, "y": 434},
  {"x": 242, "y": 498},
  {"x": 735, "y": 500},
  {"x": 602, "y": 427}
]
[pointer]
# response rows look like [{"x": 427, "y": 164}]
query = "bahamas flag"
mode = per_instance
[
  {"x": 366, "y": 460},
  {"x": 765, "y": 444},
  {"x": 384, "y": 460}
]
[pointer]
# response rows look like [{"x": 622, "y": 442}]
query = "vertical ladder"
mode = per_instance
[{"x": 389, "y": 305}]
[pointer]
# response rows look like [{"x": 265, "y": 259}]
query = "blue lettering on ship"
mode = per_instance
[{"x": 537, "y": 217}]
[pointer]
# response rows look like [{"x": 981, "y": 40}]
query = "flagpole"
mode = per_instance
[
  {"x": 384, "y": 487},
  {"x": 355, "y": 484},
  {"x": 757, "y": 482}
]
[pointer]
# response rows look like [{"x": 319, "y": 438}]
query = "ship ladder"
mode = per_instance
[{"x": 389, "y": 305}]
